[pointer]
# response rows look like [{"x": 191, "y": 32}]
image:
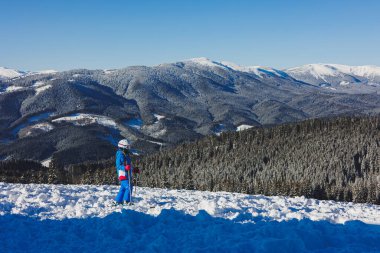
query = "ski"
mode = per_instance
[{"x": 115, "y": 204}]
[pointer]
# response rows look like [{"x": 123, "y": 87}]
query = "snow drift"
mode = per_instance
[{"x": 57, "y": 218}]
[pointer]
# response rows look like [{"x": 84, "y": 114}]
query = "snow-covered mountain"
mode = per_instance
[
  {"x": 198, "y": 97},
  {"x": 315, "y": 74},
  {"x": 6, "y": 73},
  {"x": 324, "y": 75},
  {"x": 260, "y": 71},
  {"x": 70, "y": 218},
  {"x": 336, "y": 74}
]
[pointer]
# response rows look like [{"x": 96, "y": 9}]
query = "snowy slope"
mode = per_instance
[
  {"x": 82, "y": 119},
  {"x": 259, "y": 71},
  {"x": 336, "y": 74},
  {"x": 6, "y": 73},
  {"x": 315, "y": 74},
  {"x": 321, "y": 70},
  {"x": 80, "y": 218}
]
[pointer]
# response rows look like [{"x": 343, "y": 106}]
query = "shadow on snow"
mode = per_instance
[{"x": 173, "y": 231}]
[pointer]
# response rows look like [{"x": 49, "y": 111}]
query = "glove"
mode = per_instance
[
  {"x": 127, "y": 167},
  {"x": 136, "y": 170}
]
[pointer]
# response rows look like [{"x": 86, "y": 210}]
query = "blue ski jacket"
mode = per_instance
[{"x": 122, "y": 162}]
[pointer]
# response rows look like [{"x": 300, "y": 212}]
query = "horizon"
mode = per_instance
[
  {"x": 184, "y": 60},
  {"x": 98, "y": 35}
]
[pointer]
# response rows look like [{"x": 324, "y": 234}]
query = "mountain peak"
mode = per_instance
[{"x": 205, "y": 62}]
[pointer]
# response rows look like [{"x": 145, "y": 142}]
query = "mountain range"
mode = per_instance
[{"x": 78, "y": 115}]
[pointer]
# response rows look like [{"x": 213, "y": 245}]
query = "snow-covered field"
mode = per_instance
[
  {"x": 82, "y": 119},
  {"x": 60, "y": 218}
]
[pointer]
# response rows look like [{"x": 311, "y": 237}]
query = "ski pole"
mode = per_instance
[{"x": 130, "y": 188}]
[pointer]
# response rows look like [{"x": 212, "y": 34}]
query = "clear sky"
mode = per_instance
[{"x": 67, "y": 34}]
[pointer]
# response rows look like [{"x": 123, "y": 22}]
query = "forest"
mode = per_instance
[{"x": 330, "y": 158}]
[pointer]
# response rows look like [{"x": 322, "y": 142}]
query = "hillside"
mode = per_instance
[
  {"x": 159, "y": 106},
  {"x": 321, "y": 158}
]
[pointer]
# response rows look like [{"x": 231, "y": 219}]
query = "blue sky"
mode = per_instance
[{"x": 66, "y": 34}]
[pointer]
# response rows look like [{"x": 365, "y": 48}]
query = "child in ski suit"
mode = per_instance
[{"x": 124, "y": 171}]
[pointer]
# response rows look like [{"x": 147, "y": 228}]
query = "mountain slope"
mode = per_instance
[
  {"x": 336, "y": 74},
  {"x": 6, "y": 73},
  {"x": 334, "y": 159},
  {"x": 194, "y": 98}
]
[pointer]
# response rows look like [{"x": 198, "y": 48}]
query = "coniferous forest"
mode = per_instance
[{"x": 336, "y": 159}]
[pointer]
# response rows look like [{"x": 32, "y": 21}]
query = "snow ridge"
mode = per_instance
[
  {"x": 336, "y": 70},
  {"x": 260, "y": 71}
]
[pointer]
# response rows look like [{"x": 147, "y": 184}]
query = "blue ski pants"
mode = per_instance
[{"x": 124, "y": 192}]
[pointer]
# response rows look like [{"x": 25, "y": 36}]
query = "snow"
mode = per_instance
[
  {"x": 14, "y": 88},
  {"x": 156, "y": 142},
  {"x": 42, "y": 88},
  {"x": 320, "y": 70},
  {"x": 38, "y": 84},
  {"x": 367, "y": 71},
  {"x": 243, "y": 127},
  {"x": 260, "y": 71},
  {"x": 41, "y": 72},
  {"x": 46, "y": 163},
  {"x": 159, "y": 133},
  {"x": 158, "y": 117},
  {"x": 32, "y": 119},
  {"x": 6, "y": 73},
  {"x": 109, "y": 71},
  {"x": 79, "y": 218},
  {"x": 46, "y": 127},
  {"x": 82, "y": 119},
  {"x": 47, "y": 71},
  {"x": 205, "y": 62}
]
